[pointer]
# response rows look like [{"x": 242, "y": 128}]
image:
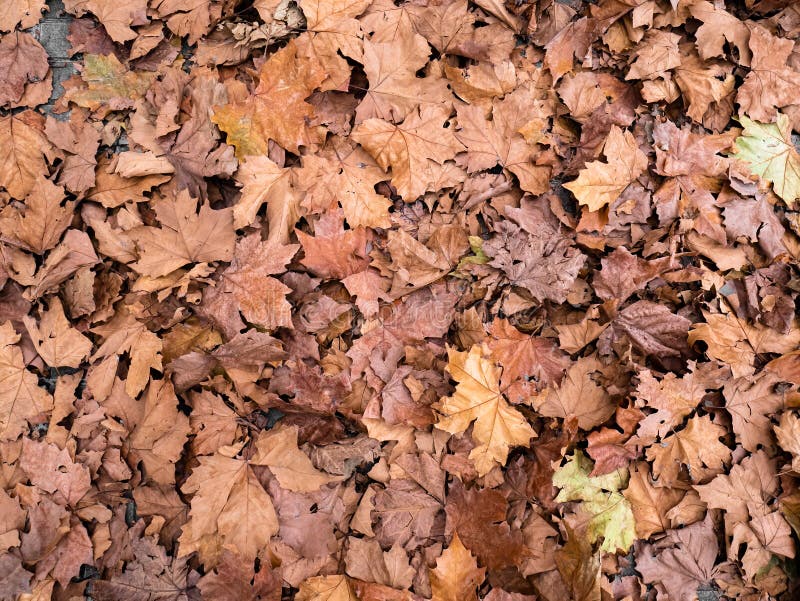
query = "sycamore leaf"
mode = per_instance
[
  {"x": 56, "y": 341},
  {"x": 21, "y": 397},
  {"x": 246, "y": 286},
  {"x": 498, "y": 426},
  {"x": 736, "y": 342},
  {"x": 456, "y": 575},
  {"x": 44, "y": 220},
  {"x": 648, "y": 503},
  {"x": 109, "y": 84},
  {"x": 415, "y": 150},
  {"x": 345, "y": 175},
  {"x": 23, "y": 60},
  {"x": 263, "y": 181},
  {"x": 600, "y": 184},
  {"x": 277, "y": 109},
  {"x": 767, "y": 151},
  {"x": 697, "y": 447},
  {"x": 25, "y": 13},
  {"x": 326, "y": 588},
  {"x": 125, "y": 334},
  {"x": 23, "y": 147},
  {"x": 578, "y": 396},
  {"x": 610, "y": 514},
  {"x": 229, "y": 508},
  {"x": 277, "y": 449},
  {"x": 116, "y": 17},
  {"x": 184, "y": 236}
]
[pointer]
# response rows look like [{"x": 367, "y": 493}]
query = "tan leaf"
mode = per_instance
[
  {"x": 22, "y": 151},
  {"x": 229, "y": 508},
  {"x": 414, "y": 150},
  {"x": 21, "y": 398},
  {"x": 184, "y": 236},
  {"x": 498, "y": 426},
  {"x": 697, "y": 447},
  {"x": 456, "y": 575},
  {"x": 326, "y": 588},
  {"x": 599, "y": 183},
  {"x": 277, "y": 449},
  {"x": 56, "y": 341}
]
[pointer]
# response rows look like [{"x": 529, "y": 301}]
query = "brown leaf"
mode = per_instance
[{"x": 456, "y": 575}]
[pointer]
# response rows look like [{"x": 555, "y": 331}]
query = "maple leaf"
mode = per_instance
[
  {"x": 150, "y": 570},
  {"x": 736, "y": 342},
  {"x": 498, "y": 426},
  {"x": 277, "y": 109},
  {"x": 21, "y": 398},
  {"x": 788, "y": 434},
  {"x": 263, "y": 181},
  {"x": 674, "y": 398},
  {"x": 543, "y": 262},
  {"x": 456, "y": 575},
  {"x": 751, "y": 401},
  {"x": 395, "y": 91},
  {"x": 767, "y": 151},
  {"x": 655, "y": 55},
  {"x": 684, "y": 562},
  {"x": 246, "y": 286},
  {"x": 479, "y": 518},
  {"x": 235, "y": 580},
  {"x": 81, "y": 141},
  {"x": 44, "y": 220},
  {"x": 578, "y": 396},
  {"x": 109, "y": 84},
  {"x": 649, "y": 504},
  {"x": 332, "y": 28},
  {"x": 600, "y": 184},
  {"x": 770, "y": 83},
  {"x": 55, "y": 340},
  {"x": 159, "y": 431},
  {"x": 367, "y": 561},
  {"x": 184, "y": 236},
  {"x": 22, "y": 13},
  {"x": 125, "y": 334},
  {"x": 718, "y": 27},
  {"x": 229, "y": 508},
  {"x": 609, "y": 513},
  {"x": 24, "y": 61},
  {"x": 116, "y": 18},
  {"x": 415, "y": 150},
  {"x": 293, "y": 469},
  {"x": 697, "y": 447},
  {"x": 345, "y": 175},
  {"x": 326, "y": 588},
  {"x": 522, "y": 355}
]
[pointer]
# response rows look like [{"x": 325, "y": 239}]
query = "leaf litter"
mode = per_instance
[{"x": 388, "y": 301}]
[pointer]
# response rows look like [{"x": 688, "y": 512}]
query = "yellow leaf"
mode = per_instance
[
  {"x": 600, "y": 184},
  {"x": 498, "y": 426}
]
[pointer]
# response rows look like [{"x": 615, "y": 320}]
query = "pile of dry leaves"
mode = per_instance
[{"x": 336, "y": 300}]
